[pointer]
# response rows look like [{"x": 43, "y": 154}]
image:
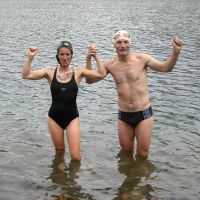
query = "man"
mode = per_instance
[{"x": 129, "y": 71}]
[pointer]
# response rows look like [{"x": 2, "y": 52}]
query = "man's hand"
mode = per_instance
[
  {"x": 177, "y": 45},
  {"x": 91, "y": 50}
]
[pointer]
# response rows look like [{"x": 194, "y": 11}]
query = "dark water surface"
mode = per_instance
[{"x": 28, "y": 168}]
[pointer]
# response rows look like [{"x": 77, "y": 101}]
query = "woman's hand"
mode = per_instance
[{"x": 33, "y": 50}]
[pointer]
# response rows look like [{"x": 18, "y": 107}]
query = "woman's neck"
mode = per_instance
[{"x": 64, "y": 69}]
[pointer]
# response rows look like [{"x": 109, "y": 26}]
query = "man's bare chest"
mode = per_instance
[{"x": 127, "y": 74}]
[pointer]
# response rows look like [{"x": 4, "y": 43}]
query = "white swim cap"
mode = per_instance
[{"x": 122, "y": 35}]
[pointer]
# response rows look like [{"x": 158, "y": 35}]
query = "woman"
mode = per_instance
[{"x": 64, "y": 81}]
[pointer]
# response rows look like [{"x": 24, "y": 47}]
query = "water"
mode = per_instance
[{"x": 28, "y": 167}]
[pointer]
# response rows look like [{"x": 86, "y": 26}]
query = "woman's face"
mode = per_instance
[{"x": 65, "y": 56}]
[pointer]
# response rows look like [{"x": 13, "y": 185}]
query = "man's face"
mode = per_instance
[
  {"x": 64, "y": 56},
  {"x": 122, "y": 46}
]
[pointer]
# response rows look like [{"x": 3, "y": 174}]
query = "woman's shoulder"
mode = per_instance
[
  {"x": 77, "y": 69},
  {"x": 49, "y": 72},
  {"x": 49, "y": 68}
]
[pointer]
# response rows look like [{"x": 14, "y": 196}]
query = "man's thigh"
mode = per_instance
[
  {"x": 126, "y": 135},
  {"x": 143, "y": 133}
]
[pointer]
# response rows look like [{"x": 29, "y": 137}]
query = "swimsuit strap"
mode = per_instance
[
  {"x": 73, "y": 71},
  {"x": 54, "y": 75}
]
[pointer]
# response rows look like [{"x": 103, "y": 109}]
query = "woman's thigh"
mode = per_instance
[
  {"x": 57, "y": 134},
  {"x": 73, "y": 138}
]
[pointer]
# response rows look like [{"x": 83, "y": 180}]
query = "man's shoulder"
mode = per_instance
[
  {"x": 141, "y": 55},
  {"x": 110, "y": 61}
]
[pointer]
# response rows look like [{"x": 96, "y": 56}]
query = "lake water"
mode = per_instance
[{"x": 28, "y": 167}]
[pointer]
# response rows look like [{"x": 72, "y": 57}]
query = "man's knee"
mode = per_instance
[{"x": 143, "y": 152}]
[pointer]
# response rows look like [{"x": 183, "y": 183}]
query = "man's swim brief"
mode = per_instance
[{"x": 134, "y": 118}]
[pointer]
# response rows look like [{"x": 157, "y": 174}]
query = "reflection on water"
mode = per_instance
[
  {"x": 65, "y": 177},
  {"x": 135, "y": 170}
]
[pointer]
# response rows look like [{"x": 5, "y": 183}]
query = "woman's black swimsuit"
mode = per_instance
[{"x": 63, "y": 108}]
